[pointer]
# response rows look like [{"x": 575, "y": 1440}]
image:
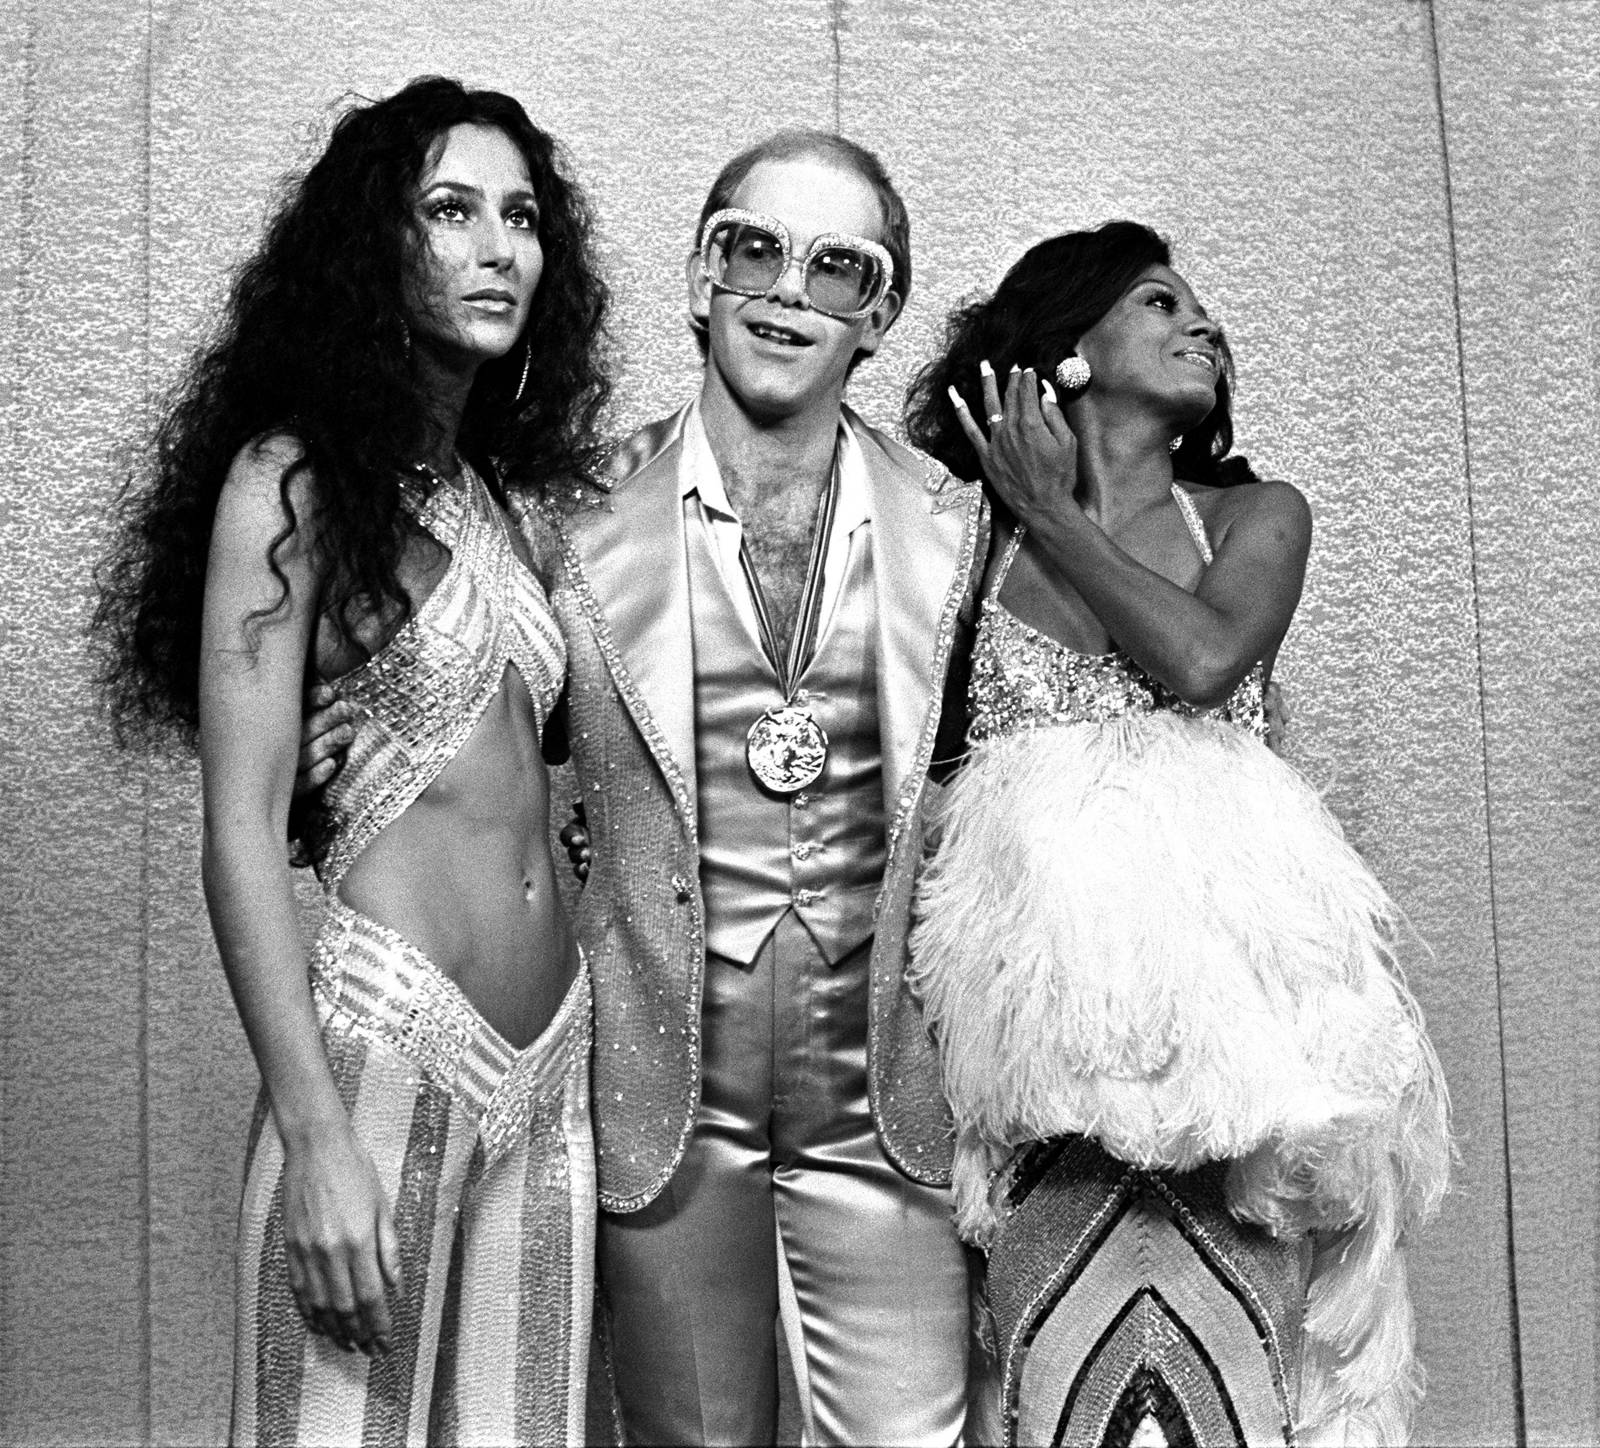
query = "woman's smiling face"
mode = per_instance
[{"x": 1157, "y": 342}]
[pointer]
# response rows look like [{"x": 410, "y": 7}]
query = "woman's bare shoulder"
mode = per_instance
[
  {"x": 1269, "y": 501},
  {"x": 267, "y": 472},
  {"x": 265, "y": 462},
  {"x": 268, "y": 500}
]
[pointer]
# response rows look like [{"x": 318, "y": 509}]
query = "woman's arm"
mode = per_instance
[
  {"x": 337, "y": 1222},
  {"x": 1200, "y": 644}
]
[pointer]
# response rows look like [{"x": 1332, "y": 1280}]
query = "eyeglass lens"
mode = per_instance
[{"x": 750, "y": 259}]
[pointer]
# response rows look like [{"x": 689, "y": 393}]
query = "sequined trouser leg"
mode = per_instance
[
  {"x": 487, "y": 1156},
  {"x": 785, "y": 1201},
  {"x": 1130, "y": 1307}
]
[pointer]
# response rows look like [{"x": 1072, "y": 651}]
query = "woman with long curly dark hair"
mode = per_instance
[
  {"x": 1186, "y": 1078},
  {"x": 414, "y": 349}
]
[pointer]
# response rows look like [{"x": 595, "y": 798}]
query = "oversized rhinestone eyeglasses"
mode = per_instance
[{"x": 841, "y": 276}]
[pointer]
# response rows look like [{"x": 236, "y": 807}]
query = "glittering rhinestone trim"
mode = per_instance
[
  {"x": 912, "y": 788},
  {"x": 1024, "y": 679},
  {"x": 905, "y": 806},
  {"x": 383, "y": 989},
  {"x": 422, "y": 694},
  {"x": 948, "y": 490},
  {"x": 628, "y": 690}
]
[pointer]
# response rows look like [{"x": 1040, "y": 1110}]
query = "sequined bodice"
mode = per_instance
[
  {"x": 1023, "y": 679},
  {"x": 424, "y": 691}
]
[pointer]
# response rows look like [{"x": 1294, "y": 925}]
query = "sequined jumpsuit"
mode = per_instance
[
  {"x": 1178, "y": 1057},
  {"x": 485, "y": 1151}
]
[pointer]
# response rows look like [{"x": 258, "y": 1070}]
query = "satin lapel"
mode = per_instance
[
  {"x": 922, "y": 546},
  {"x": 631, "y": 556}
]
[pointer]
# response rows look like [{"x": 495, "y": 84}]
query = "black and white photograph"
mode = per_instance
[{"x": 861, "y": 722}]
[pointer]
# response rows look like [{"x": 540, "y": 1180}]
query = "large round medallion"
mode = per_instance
[{"x": 786, "y": 748}]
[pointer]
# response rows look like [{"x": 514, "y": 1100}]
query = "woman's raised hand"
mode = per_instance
[
  {"x": 343, "y": 1252},
  {"x": 1029, "y": 454}
]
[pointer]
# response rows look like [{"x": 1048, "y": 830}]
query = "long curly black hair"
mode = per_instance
[
  {"x": 1055, "y": 293},
  {"x": 313, "y": 344}
]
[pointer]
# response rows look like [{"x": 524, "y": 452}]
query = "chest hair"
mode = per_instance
[{"x": 780, "y": 520}]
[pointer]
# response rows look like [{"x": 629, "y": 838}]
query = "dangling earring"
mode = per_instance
[
  {"x": 522, "y": 382},
  {"x": 1073, "y": 374},
  {"x": 1176, "y": 443},
  {"x": 405, "y": 339}
]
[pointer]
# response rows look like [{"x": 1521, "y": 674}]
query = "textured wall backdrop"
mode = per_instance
[{"x": 1391, "y": 203}]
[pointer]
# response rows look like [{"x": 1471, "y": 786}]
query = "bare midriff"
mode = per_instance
[{"x": 465, "y": 874}]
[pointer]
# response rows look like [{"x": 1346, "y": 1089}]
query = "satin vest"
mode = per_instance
[{"x": 820, "y": 852}]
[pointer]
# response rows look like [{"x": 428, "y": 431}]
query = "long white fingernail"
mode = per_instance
[
  {"x": 985, "y": 368},
  {"x": 957, "y": 398},
  {"x": 1047, "y": 389}
]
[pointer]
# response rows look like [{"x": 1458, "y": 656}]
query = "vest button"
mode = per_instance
[
  {"x": 681, "y": 885},
  {"x": 801, "y": 851},
  {"x": 807, "y": 897},
  {"x": 801, "y": 800}
]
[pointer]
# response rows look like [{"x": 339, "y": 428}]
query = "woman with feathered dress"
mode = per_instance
[{"x": 1197, "y": 1112}]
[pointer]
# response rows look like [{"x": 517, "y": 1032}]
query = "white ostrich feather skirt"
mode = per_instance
[{"x": 1153, "y": 932}]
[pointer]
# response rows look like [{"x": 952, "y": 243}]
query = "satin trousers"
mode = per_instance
[
  {"x": 487, "y": 1156},
  {"x": 785, "y": 1204}
]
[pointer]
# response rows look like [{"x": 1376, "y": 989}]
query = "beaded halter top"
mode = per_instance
[
  {"x": 424, "y": 691},
  {"x": 1023, "y": 679}
]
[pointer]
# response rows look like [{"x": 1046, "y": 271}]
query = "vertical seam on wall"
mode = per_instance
[
  {"x": 837, "y": 28},
  {"x": 146, "y": 1406},
  {"x": 1518, "y": 1402},
  {"x": 10, "y": 426}
]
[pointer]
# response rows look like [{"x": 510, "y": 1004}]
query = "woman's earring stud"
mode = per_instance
[{"x": 1073, "y": 374}]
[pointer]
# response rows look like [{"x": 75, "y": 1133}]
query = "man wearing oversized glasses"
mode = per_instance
[{"x": 758, "y": 630}]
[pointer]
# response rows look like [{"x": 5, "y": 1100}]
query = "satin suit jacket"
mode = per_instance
[{"x": 620, "y": 590}]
